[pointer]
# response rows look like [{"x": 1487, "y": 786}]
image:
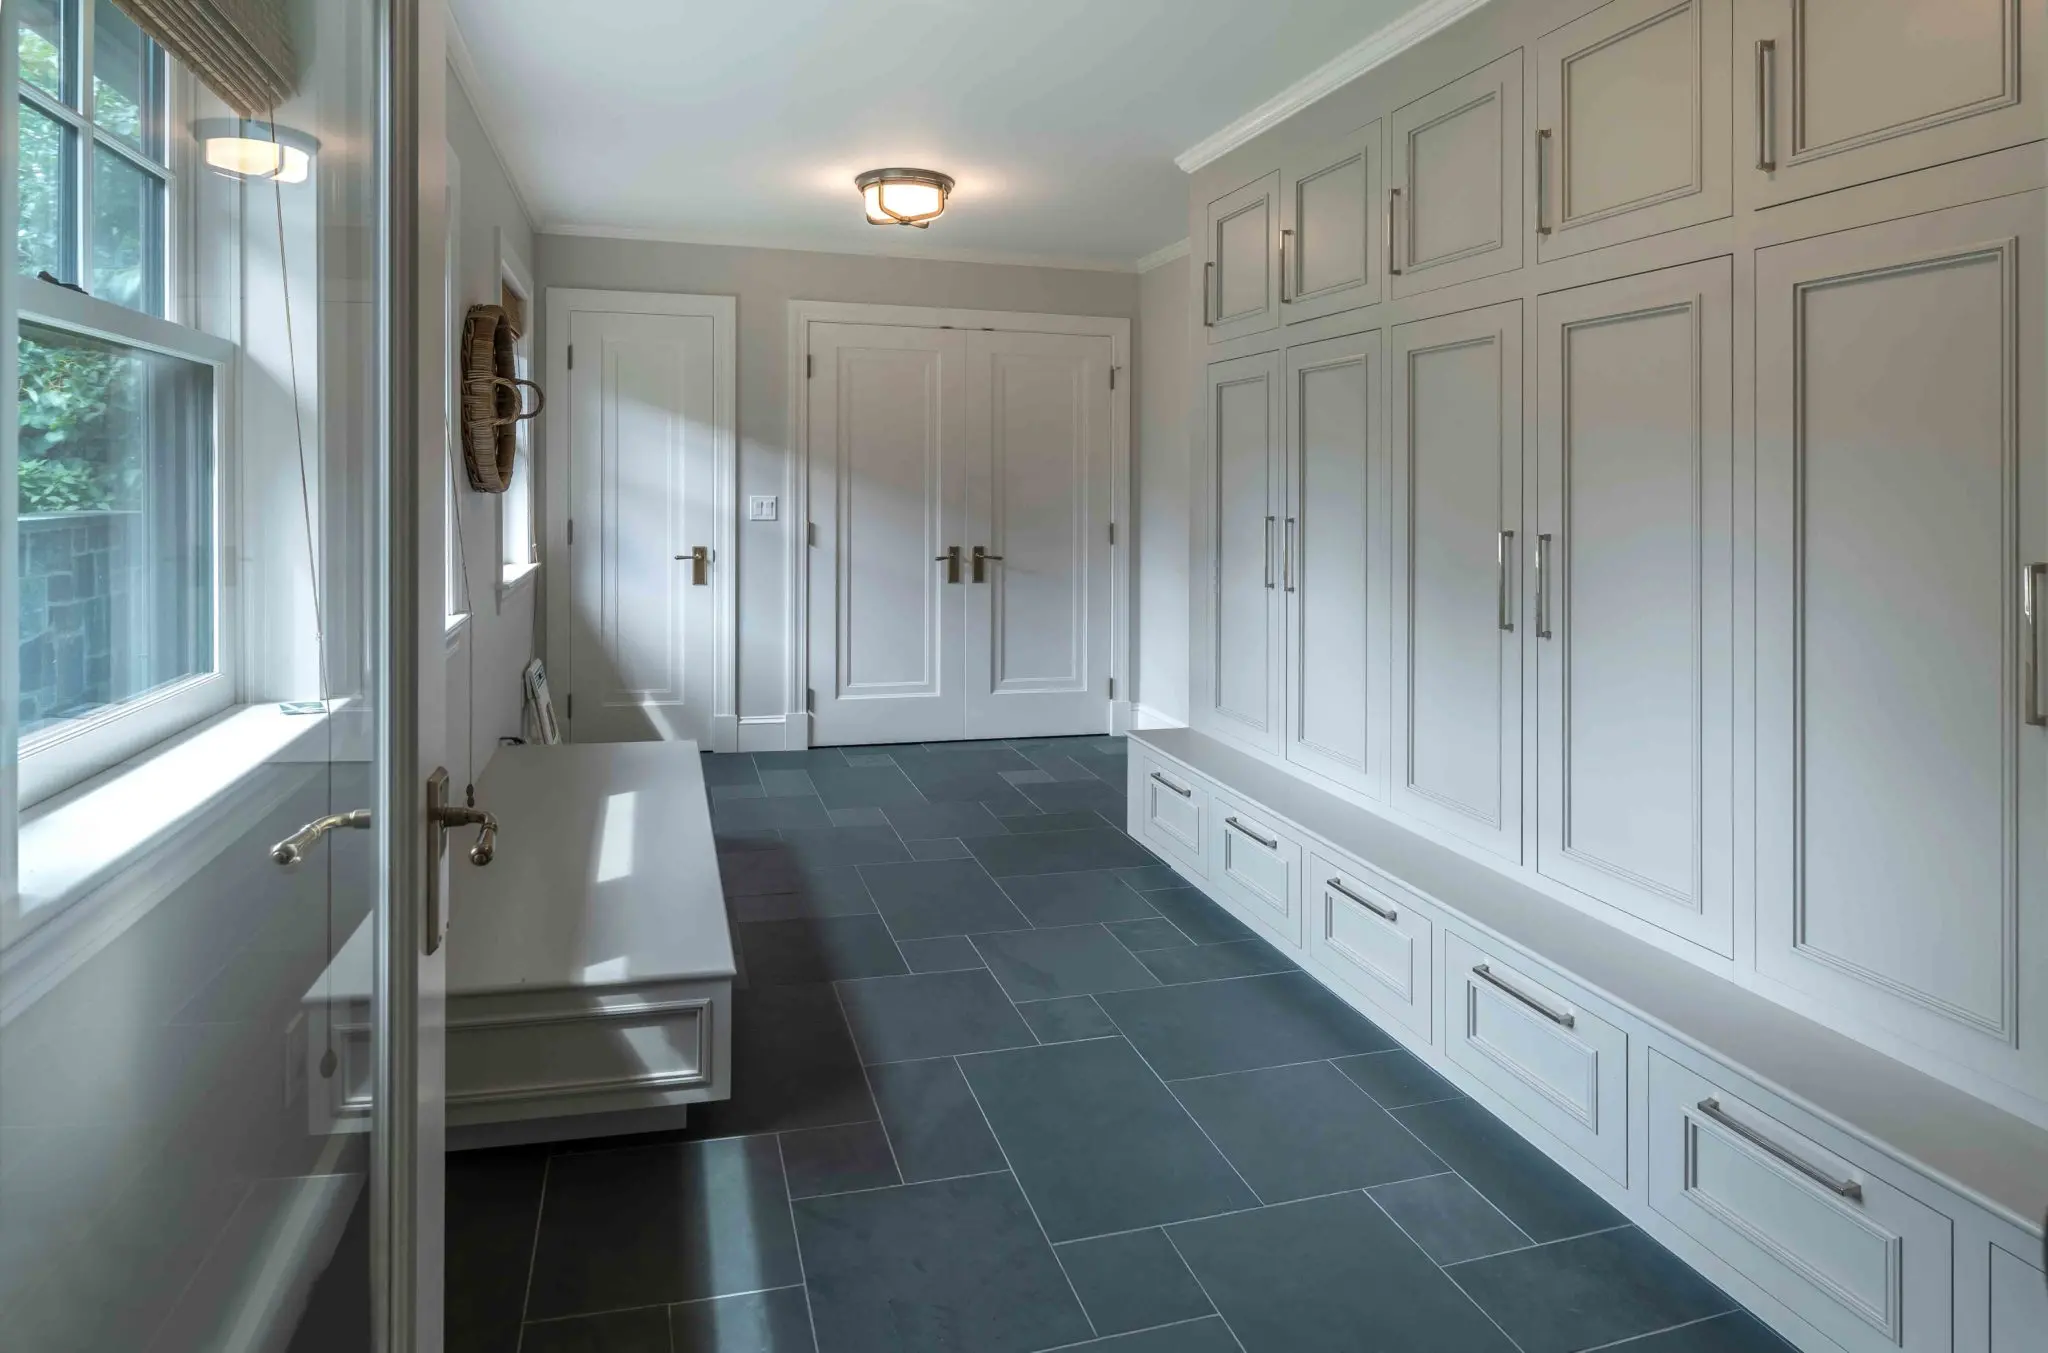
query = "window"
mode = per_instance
[
  {"x": 517, "y": 555},
  {"x": 95, "y": 174}
]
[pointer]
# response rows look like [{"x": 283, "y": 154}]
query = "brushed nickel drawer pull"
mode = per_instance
[
  {"x": 1393, "y": 218},
  {"x": 1504, "y": 542},
  {"x": 1387, "y": 914},
  {"x": 1841, "y": 1188},
  {"x": 1184, "y": 793},
  {"x": 1271, "y": 522},
  {"x": 2031, "y": 600},
  {"x": 1543, "y": 587},
  {"x": 1767, "y": 106},
  {"x": 1543, "y": 182},
  {"x": 1285, "y": 236},
  {"x": 1247, "y": 831},
  {"x": 1563, "y": 1019},
  {"x": 1208, "y": 286}
]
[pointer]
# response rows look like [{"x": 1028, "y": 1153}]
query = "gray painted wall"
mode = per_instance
[
  {"x": 1163, "y": 464},
  {"x": 765, "y": 281}
]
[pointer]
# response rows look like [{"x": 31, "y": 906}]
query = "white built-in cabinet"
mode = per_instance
[
  {"x": 1632, "y": 124},
  {"x": 1331, "y": 230},
  {"x": 1241, "y": 265},
  {"x": 1455, "y": 439},
  {"x": 1454, "y": 181},
  {"x": 1246, "y": 499},
  {"x": 1632, "y": 570}
]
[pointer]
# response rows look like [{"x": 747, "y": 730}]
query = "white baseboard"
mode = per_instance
[
  {"x": 725, "y": 733},
  {"x": 1143, "y": 717},
  {"x": 759, "y": 733},
  {"x": 1119, "y": 717}
]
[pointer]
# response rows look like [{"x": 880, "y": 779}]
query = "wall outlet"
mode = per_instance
[{"x": 762, "y": 507}]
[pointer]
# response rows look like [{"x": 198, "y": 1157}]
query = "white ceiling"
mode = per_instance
[{"x": 746, "y": 122}]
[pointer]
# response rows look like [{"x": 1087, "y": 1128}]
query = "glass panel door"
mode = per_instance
[{"x": 196, "y": 659}]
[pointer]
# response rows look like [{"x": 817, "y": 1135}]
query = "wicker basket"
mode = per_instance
[{"x": 492, "y": 405}]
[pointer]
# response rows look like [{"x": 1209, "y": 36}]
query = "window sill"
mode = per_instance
[
  {"x": 516, "y": 577},
  {"x": 458, "y": 626}
]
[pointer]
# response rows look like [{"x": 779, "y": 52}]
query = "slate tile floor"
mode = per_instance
[{"x": 1003, "y": 1085}]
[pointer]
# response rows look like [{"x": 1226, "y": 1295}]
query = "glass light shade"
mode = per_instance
[
  {"x": 255, "y": 150},
  {"x": 903, "y": 196}
]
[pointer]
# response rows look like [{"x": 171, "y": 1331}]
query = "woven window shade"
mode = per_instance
[
  {"x": 240, "y": 49},
  {"x": 514, "y": 306}
]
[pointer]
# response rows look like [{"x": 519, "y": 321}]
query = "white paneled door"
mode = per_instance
[
  {"x": 960, "y": 561},
  {"x": 650, "y": 443}
]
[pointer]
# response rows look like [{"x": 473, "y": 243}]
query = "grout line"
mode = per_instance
[
  {"x": 1446, "y": 1272},
  {"x": 1165, "y": 1085},
  {"x": 1149, "y": 1329},
  {"x": 868, "y": 1081},
  {"x": 1248, "y": 1071},
  {"x": 1542, "y": 1244},
  {"x": 903, "y": 1184},
  {"x": 655, "y": 1306},
  {"x": 1201, "y": 1286},
  {"x": 547, "y": 1167},
  {"x": 1212, "y": 1216},
  {"x": 1651, "y": 1334},
  {"x": 796, "y": 1239}
]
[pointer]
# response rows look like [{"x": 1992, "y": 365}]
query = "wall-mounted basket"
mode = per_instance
[{"x": 492, "y": 403}]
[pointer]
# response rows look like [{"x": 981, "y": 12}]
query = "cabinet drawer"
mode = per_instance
[
  {"x": 1173, "y": 815},
  {"x": 1377, "y": 941},
  {"x": 1254, "y": 865},
  {"x": 1865, "y": 1264},
  {"x": 1563, "y": 1067}
]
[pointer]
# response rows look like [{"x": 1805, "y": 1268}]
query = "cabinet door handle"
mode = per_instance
[
  {"x": 1243, "y": 830},
  {"x": 1289, "y": 565},
  {"x": 1543, "y": 587},
  {"x": 2031, "y": 580},
  {"x": 1387, "y": 914},
  {"x": 1393, "y": 218},
  {"x": 1208, "y": 287},
  {"x": 1543, "y": 182},
  {"x": 1564, "y": 1019},
  {"x": 1841, "y": 1188},
  {"x": 1184, "y": 793},
  {"x": 1270, "y": 523},
  {"x": 1767, "y": 105},
  {"x": 1504, "y": 542},
  {"x": 1285, "y": 236}
]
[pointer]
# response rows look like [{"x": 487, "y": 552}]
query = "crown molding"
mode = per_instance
[
  {"x": 479, "y": 94},
  {"x": 999, "y": 258},
  {"x": 1424, "y": 21},
  {"x": 1178, "y": 249}
]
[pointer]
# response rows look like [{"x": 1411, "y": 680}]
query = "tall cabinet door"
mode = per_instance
[
  {"x": 1454, "y": 181},
  {"x": 1335, "y": 584},
  {"x": 1632, "y": 114},
  {"x": 1840, "y": 92},
  {"x": 1247, "y": 414},
  {"x": 1901, "y": 488},
  {"x": 1241, "y": 265},
  {"x": 1633, "y": 623},
  {"x": 1456, "y": 437},
  {"x": 1330, "y": 232}
]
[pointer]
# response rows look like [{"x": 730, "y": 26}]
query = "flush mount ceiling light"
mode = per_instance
[
  {"x": 907, "y": 197},
  {"x": 257, "y": 150}
]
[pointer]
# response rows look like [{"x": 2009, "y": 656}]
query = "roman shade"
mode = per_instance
[{"x": 240, "y": 49}]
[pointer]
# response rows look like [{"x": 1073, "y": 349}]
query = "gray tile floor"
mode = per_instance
[{"x": 1003, "y": 1085}]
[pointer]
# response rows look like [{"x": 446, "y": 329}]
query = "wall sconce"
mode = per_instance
[{"x": 243, "y": 149}]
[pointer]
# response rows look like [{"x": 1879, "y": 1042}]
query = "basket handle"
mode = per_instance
[{"x": 540, "y": 401}]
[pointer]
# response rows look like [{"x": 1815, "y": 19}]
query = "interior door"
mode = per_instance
[
  {"x": 1840, "y": 92},
  {"x": 1242, "y": 262},
  {"x": 1632, "y": 124},
  {"x": 1330, "y": 227},
  {"x": 1634, "y": 633},
  {"x": 888, "y": 434},
  {"x": 1334, "y": 565},
  {"x": 1456, "y": 439},
  {"x": 1038, "y": 467},
  {"x": 648, "y": 409},
  {"x": 1454, "y": 181},
  {"x": 176, "y": 1036},
  {"x": 1247, "y": 409},
  {"x": 1902, "y": 543}
]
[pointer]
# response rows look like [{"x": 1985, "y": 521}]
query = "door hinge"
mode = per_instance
[
  {"x": 810, "y": 701},
  {"x": 572, "y": 530},
  {"x": 1112, "y": 533},
  {"x": 1112, "y": 378},
  {"x": 572, "y": 356},
  {"x": 810, "y": 366},
  {"x": 1112, "y": 688},
  {"x": 810, "y": 533},
  {"x": 569, "y": 705}
]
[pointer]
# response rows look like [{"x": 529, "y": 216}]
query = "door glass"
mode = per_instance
[{"x": 190, "y": 1029}]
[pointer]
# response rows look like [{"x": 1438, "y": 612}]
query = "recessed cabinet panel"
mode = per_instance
[
  {"x": 1375, "y": 939},
  {"x": 1242, "y": 272},
  {"x": 1900, "y": 487},
  {"x": 1336, "y": 648},
  {"x": 1257, "y": 868},
  {"x": 1455, "y": 181},
  {"x": 1633, "y": 621},
  {"x": 1456, "y": 397},
  {"x": 1247, "y": 415},
  {"x": 1330, "y": 228},
  {"x": 1840, "y": 92},
  {"x": 1632, "y": 124},
  {"x": 1174, "y": 815},
  {"x": 2019, "y": 1304}
]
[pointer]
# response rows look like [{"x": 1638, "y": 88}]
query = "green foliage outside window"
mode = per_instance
[{"x": 77, "y": 397}]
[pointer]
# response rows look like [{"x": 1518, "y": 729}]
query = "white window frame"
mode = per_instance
[
  {"x": 455, "y": 581},
  {"x": 80, "y": 749},
  {"x": 518, "y": 523}
]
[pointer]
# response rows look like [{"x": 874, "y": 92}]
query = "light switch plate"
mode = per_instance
[{"x": 762, "y": 507}]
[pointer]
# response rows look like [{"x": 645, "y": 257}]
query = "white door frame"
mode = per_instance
[
  {"x": 723, "y": 312},
  {"x": 797, "y": 476}
]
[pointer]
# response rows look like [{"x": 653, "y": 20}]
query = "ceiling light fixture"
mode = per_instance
[
  {"x": 906, "y": 197},
  {"x": 257, "y": 150}
]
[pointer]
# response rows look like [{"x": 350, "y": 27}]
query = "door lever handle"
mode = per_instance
[
  {"x": 982, "y": 559},
  {"x": 699, "y": 560},
  {"x": 951, "y": 559},
  {"x": 290, "y": 853},
  {"x": 460, "y": 815}
]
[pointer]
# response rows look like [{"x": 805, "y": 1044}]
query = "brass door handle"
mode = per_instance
[
  {"x": 290, "y": 853},
  {"x": 982, "y": 559},
  {"x": 457, "y": 815},
  {"x": 699, "y": 559},
  {"x": 951, "y": 559}
]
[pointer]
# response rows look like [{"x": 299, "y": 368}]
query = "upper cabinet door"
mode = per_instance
[
  {"x": 1841, "y": 92},
  {"x": 1334, "y": 544},
  {"x": 1456, "y": 436},
  {"x": 1632, "y": 124},
  {"x": 1241, "y": 269},
  {"x": 1633, "y": 626},
  {"x": 1330, "y": 245},
  {"x": 1247, "y": 413},
  {"x": 1454, "y": 181},
  {"x": 1902, "y": 740}
]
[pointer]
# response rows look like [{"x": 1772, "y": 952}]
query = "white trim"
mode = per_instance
[
  {"x": 886, "y": 245},
  {"x": 515, "y": 577},
  {"x": 1418, "y": 24},
  {"x": 764, "y": 733},
  {"x": 1180, "y": 248},
  {"x": 513, "y": 270},
  {"x": 723, "y": 312},
  {"x": 797, "y": 474},
  {"x": 478, "y": 93},
  {"x": 1145, "y": 717}
]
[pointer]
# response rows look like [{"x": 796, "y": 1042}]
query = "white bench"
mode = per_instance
[{"x": 590, "y": 965}]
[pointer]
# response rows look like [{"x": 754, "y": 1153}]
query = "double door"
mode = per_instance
[{"x": 959, "y": 554}]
